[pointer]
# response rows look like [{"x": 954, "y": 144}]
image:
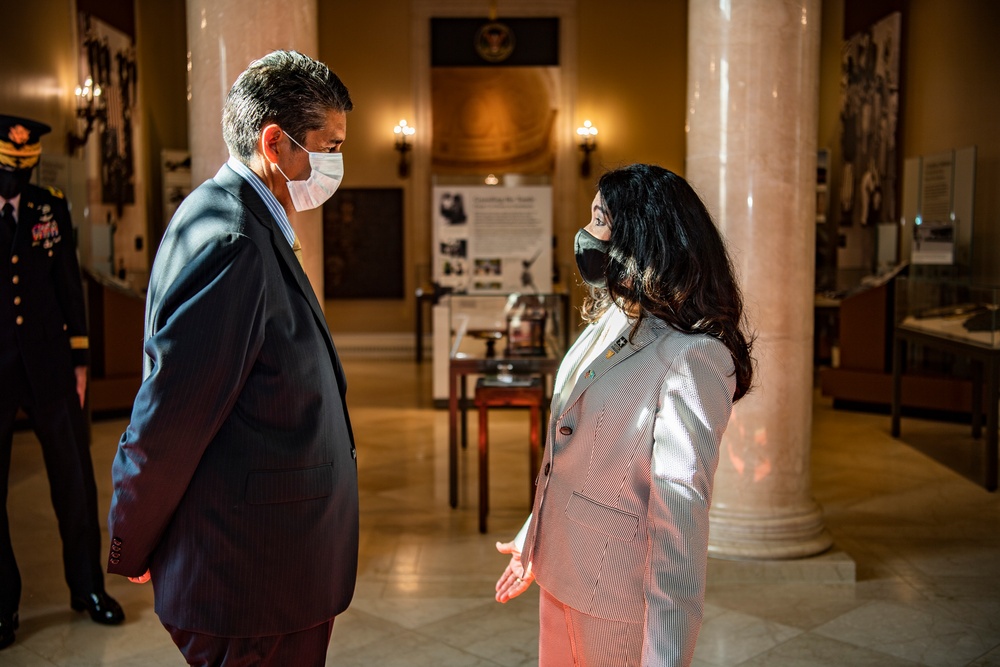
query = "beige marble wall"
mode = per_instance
[
  {"x": 224, "y": 36},
  {"x": 753, "y": 81}
]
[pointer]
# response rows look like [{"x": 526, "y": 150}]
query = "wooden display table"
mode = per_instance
[{"x": 460, "y": 366}]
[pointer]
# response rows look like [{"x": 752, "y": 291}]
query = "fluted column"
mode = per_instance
[
  {"x": 224, "y": 36},
  {"x": 753, "y": 82}
]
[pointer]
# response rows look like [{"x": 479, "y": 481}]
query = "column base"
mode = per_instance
[{"x": 782, "y": 534}]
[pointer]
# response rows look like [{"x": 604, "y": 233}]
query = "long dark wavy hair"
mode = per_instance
[{"x": 668, "y": 260}]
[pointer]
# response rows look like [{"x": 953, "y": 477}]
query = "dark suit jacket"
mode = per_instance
[
  {"x": 41, "y": 285},
  {"x": 236, "y": 480}
]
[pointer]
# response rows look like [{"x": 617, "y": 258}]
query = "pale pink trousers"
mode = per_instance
[{"x": 569, "y": 638}]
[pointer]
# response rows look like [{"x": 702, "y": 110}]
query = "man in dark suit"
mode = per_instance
[
  {"x": 235, "y": 484},
  {"x": 43, "y": 369}
]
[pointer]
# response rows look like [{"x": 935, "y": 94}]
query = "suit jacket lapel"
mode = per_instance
[
  {"x": 619, "y": 350},
  {"x": 242, "y": 190}
]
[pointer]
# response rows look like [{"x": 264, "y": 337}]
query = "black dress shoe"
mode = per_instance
[
  {"x": 8, "y": 624},
  {"x": 102, "y": 608}
]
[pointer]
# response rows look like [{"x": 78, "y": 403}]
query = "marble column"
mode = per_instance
[
  {"x": 753, "y": 89},
  {"x": 224, "y": 36}
]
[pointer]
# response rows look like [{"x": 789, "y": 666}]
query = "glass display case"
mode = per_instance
[
  {"x": 957, "y": 320},
  {"x": 500, "y": 326},
  {"x": 954, "y": 309}
]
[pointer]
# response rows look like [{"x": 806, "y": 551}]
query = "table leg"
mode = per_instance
[
  {"x": 546, "y": 404},
  {"x": 898, "y": 351},
  {"x": 484, "y": 467},
  {"x": 534, "y": 449},
  {"x": 977, "y": 397},
  {"x": 992, "y": 390},
  {"x": 461, "y": 409},
  {"x": 419, "y": 333},
  {"x": 452, "y": 438}
]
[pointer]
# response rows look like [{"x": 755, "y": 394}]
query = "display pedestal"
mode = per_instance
[{"x": 116, "y": 315}]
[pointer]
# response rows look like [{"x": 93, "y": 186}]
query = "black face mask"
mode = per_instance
[
  {"x": 592, "y": 258},
  {"x": 13, "y": 183}
]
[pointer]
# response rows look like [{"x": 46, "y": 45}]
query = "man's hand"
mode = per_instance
[
  {"x": 516, "y": 578},
  {"x": 81, "y": 383},
  {"x": 140, "y": 579}
]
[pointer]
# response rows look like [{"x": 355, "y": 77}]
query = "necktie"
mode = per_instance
[
  {"x": 7, "y": 215},
  {"x": 7, "y": 227},
  {"x": 296, "y": 248}
]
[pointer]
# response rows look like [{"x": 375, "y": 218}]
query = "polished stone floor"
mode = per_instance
[{"x": 924, "y": 539}]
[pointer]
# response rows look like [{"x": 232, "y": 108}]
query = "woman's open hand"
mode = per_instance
[{"x": 516, "y": 578}]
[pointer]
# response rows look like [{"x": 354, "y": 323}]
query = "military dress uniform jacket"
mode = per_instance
[
  {"x": 41, "y": 298},
  {"x": 619, "y": 529},
  {"x": 236, "y": 481}
]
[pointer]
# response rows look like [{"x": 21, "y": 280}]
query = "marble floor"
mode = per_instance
[{"x": 923, "y": 536}]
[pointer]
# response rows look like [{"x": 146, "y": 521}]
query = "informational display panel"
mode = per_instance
[
  {"x": 934, "y": 231},
  {"x": 938, "y": 200},
  {"x": 490, "y": 239}
]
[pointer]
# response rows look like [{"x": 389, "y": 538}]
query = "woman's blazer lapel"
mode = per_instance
[{"x": 622, "y": 348}]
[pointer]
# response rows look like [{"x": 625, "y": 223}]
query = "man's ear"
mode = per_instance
[{"x": 270, "y": 137}]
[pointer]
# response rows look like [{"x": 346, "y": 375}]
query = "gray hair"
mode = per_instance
[{"x": 283, "y": 87}]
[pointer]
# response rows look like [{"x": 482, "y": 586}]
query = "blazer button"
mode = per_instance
[
  {"x": 14, "y": 259},
  {"x": 19, "y": 320},
  {"x": 566, "y": 430},
  {"x": 17, "y": 301},
  {"x": 547, "y": 467},
  {"x": 114, "y": 561},
  {"x": 15, "y": 280}
]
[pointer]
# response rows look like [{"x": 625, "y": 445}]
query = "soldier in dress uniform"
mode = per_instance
[{"x": 43, "y": 370}]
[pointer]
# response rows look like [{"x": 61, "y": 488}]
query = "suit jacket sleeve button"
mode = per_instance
[{"x": 566, "y": 430}]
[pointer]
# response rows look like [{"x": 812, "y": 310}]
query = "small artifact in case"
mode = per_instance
[{"x": 526, "y": 318}]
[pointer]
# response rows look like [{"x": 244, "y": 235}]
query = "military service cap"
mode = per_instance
[{"x": 20, "y": 142}]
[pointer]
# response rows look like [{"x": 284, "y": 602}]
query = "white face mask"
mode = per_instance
[{"x": 324, "y": 179}]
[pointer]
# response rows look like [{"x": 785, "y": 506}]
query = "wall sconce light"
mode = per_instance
[
  {"x": 403, "y": 145},
  {"x": 89, "y": 108},
  {"x": 587, "y": 138}
]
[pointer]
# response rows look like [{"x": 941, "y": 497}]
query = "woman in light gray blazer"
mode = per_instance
[{"x": 618, "y": 538}]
